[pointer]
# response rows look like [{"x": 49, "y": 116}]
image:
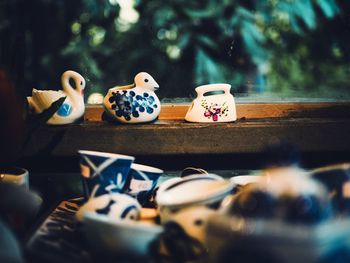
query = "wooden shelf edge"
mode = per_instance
[
  {"x": 167, "y": 137},
  {"x": 251, "y": 111}
]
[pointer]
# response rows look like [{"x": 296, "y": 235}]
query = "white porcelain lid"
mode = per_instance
[{"x": 197, "y": 190}]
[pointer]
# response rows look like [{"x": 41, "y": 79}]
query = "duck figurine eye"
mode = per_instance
[{"x": 135, "y": 103}]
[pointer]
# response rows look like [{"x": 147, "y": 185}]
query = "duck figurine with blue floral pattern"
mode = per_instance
[
  {"x": 73, "y": 106},
  {"x": 135, "y": 103}
]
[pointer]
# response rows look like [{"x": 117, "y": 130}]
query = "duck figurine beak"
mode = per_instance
[{"x": 156, "y": 87}]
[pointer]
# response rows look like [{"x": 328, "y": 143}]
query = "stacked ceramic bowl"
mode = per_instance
[
  {"x": 115, "y": 191},
  {"x": 117, "y": 218}
]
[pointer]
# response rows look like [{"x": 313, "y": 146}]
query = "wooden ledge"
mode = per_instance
[
  {"x": 251, "y": 111},
  {"x": 178, "y": 137}
]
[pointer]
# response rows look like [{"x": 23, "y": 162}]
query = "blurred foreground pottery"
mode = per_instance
[
  {"x": 72, "y": 108},
  {"x": 241, "y": 181},
  {"x": 282, "y": 193},
  {"x": 209, "y": 106},
  {"x": 15, "y": 175},
  {"x": 191, "y": 200},
  {"x": 192, "y": 190},
  {"x": 336, "y": 178},
  {"x": 118, "y": 239},
  {"x": 283, "y": 216},
  {"x": 114, "y": 206},
  {"x": 192, "y": 170},
  {"x": 135, "y": 103},
  {"x": 18, "y": 205},
  {"x": 143, "y": 180},
  {"x": 274, "y": 241}
]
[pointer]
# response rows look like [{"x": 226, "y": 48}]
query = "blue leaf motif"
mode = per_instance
[
  {"x": 120, "y": 179},
  {"x": 65, "y": 110}
]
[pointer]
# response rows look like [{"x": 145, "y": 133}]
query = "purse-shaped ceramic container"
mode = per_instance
[{"x": 212, "y": 107}]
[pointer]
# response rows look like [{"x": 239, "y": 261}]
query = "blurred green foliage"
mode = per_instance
[{"x": 300, "y": 47}]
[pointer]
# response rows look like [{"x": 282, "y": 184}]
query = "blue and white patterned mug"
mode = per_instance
[
  {"x": 103, "y": 172},
  {"x": 143, "y": 180}
]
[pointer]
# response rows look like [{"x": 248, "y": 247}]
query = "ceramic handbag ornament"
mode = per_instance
[
  {"x": 135, "y": 103},
  {"x": 212, "y": 107},
  {"x": 73, "y": 106}
]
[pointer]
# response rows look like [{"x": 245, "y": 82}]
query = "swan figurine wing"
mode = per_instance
[
  {"x": 136, "y": 103},
  {"x": 42, "y": 99},
  {"x": 72, "y": 108}
]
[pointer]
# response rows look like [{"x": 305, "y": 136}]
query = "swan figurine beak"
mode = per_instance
[{"x": 72, "y": 108}]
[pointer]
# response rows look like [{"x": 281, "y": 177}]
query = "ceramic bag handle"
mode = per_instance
[{"x": 213, "y": 87}]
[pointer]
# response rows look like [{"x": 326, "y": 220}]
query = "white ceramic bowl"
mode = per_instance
[{"x": 119, "y": 238}]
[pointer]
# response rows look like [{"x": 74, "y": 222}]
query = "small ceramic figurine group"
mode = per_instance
[
  {"x": 73, "y": 106},
  {"x": 135, "y": 103}
]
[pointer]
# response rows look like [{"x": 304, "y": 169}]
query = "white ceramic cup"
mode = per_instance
[
  {"x": 143, "y": 180},
  {"x": 15, "y": 175},
  {"x": 104, "y": 172}
]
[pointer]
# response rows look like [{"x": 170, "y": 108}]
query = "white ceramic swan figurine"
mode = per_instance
[
  {"x": 72, "y": 108},
  {"x": 135, "y": 103}
]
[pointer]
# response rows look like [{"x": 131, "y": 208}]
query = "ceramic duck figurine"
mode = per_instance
[
  {"x": 72, "y": 108},
  {"x": 135, "y": 103}
]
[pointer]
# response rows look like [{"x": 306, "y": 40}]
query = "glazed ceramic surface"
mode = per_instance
[
  {"x": 191, "y": 200},
  {"x": 212, "y": 107},
  {"x": 287, "y": 194},
  {"x": 193, "y": 220},
  {"x": 192, "y": 170},
  {"x": 114, "y": 206},
  {"x": 136, "y": 103},
  {"x": 336, "y": 178},
  {"x": 143, "y": 180},
  {"x": 120, "y": 238},
  {"x": 274, "y": 241},
  {"x": 15, "y": 175},
  {"x": 192, "y": 189},
  {"x": 245, "y": 179},
  {"x": 72, "y": 108},
  {"x": 104, "y": 172}
]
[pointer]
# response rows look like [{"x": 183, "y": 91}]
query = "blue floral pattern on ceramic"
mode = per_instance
[{"x": 127, "y": 104}]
